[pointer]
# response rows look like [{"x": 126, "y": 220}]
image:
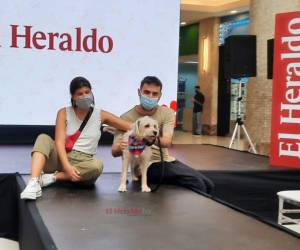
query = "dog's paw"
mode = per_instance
[
  {"x": 122, "y": 188},
  {"x": 146, "y": 189}
]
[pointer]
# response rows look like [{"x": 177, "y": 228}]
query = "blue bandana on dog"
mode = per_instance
[{"x": 136, "y": 147}]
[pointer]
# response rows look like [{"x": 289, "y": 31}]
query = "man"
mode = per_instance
[
  {"x": 175, "y": 172},
  {"x": 198, "y": 101}
]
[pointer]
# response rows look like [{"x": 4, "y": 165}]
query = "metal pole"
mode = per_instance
[
  {"x": 233, "y": 135},
  {"x": 249, "y": 139}
]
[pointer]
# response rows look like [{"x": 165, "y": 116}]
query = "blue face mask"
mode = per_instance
[{"x": 148, "y": 103}]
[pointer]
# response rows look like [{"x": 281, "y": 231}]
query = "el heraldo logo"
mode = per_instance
[{"x": 27, "y": 37}]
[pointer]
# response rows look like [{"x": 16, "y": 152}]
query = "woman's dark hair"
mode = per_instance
[{"x": 77, "y": 83}]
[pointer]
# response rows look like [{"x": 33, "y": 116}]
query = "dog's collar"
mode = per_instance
[
  {"x": 149, "y": 143},
  {"x": 136, "y": 147}
]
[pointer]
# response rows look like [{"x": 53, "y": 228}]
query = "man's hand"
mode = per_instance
[
  {"x": 123, "y": 144},
  {"x": 73, "y": 174},
  {"x": 150, "y": 139},
  {"x": 118, "y": 147}
]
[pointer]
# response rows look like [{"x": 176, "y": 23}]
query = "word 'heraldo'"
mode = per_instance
[{"x": 64, "y": 41}]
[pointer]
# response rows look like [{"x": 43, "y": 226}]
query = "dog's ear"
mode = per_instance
[{"x": 136, "y": 130}]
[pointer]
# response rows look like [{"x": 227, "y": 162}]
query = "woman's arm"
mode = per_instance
[
  {"x": 114, "y": 121},
  {"x": 60, "y": 138}
]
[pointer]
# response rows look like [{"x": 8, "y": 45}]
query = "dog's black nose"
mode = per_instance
[{"x": 155, "y": 132}]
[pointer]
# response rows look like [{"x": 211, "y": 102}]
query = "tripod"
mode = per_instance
[{"x": 239, "y": 123}]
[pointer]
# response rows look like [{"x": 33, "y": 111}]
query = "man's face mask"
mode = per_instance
[
  {"x": 148, "y": 103},
  {"x": 85, "y": 102}
]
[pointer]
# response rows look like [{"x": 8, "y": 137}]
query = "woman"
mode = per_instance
[{"x": 50, "y": 160}]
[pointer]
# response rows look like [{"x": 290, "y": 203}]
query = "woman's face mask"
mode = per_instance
[
  {"x": 85, "y": 102},
  {"x": 148, "y": 103}
]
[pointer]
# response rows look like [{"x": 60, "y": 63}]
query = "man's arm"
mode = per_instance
[
  {"x": 165, "y": 140},
  {"x": 119, "y": 144},
  {"x": 165, "y": 137},
  {"x": 167, "y": 129},
  {"x": 196, "y": 101}
]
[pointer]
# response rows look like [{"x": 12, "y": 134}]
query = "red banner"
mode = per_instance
[{"x": 285, "y": 134}]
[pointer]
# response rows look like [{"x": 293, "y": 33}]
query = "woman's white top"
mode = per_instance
[{"x": 90, "y": 135}]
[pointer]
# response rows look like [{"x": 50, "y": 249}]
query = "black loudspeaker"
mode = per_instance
[
  {"x": 224, "y": 90},
  {"x": 270, "y": 52},
  {"x": 240, "y": 56}
]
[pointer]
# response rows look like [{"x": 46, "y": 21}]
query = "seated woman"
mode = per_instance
[{"x": 50, "y": 160}]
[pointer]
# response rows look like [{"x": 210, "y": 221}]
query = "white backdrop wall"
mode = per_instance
[{"x": 39, "y": 53}]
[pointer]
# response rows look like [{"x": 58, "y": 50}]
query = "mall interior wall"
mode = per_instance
[
  {"x": 208, "y": 78},
  {"x": 259, "y": 90}
]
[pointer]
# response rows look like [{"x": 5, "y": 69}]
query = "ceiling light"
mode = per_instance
[
  {"x": 205, "y": 54},
  {"x": 183, "y": 23},
  {"x": 191, "y": 62},
  {"x": 233, "y": 11}
]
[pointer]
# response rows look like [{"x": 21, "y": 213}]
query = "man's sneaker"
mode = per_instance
[
  {"x": 32, "y": 191},
  {"x": 47, "y": 179}
]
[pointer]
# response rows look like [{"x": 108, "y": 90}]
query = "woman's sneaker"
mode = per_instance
[
  {"x": 32, "y": 191},
  {"x": 47, "y": 179}
]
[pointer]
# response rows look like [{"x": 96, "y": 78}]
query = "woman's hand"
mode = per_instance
[
  {"x": 60, "y": 138},
  {"x": 73, "y": 174}
]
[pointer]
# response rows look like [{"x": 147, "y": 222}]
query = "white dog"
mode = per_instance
[{"x": 138, "y": 153}]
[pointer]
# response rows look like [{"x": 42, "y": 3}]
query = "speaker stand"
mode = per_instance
[{"x": 240, "y": 124}]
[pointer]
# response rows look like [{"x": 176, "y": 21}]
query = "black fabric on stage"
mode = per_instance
[
  {"x": 19, "y": 219},
  {"x": 33, "y": 234},
  {"x": 254, "y": 192},
  {"x": 27, "y": 134},
  {"x": 8, "y": 207}
]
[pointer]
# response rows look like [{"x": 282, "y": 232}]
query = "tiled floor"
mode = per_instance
[
  {"x": 295, "y": 228},
  {"x": 181, "y": 137},
  {"x": 9, "y": 244}
]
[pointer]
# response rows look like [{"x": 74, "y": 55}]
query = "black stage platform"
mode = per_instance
[
  {"x": 16, "y": 158},
  {"x": 172, "y": 218}
]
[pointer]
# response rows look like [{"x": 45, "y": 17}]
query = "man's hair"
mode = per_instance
[
  {"x": 197, "y": 87},
  {"x": 151, "y": 80}
]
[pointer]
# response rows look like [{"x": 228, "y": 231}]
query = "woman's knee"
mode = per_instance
[
  {"x": 43, "y": 138},
  {"x": 97, "y": 166},
  {"x": 43, "y": 144},
  {"x": 94, "y": 170}
]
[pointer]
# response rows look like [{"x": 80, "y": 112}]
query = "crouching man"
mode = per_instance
[{"x": 175, "y": 172}]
